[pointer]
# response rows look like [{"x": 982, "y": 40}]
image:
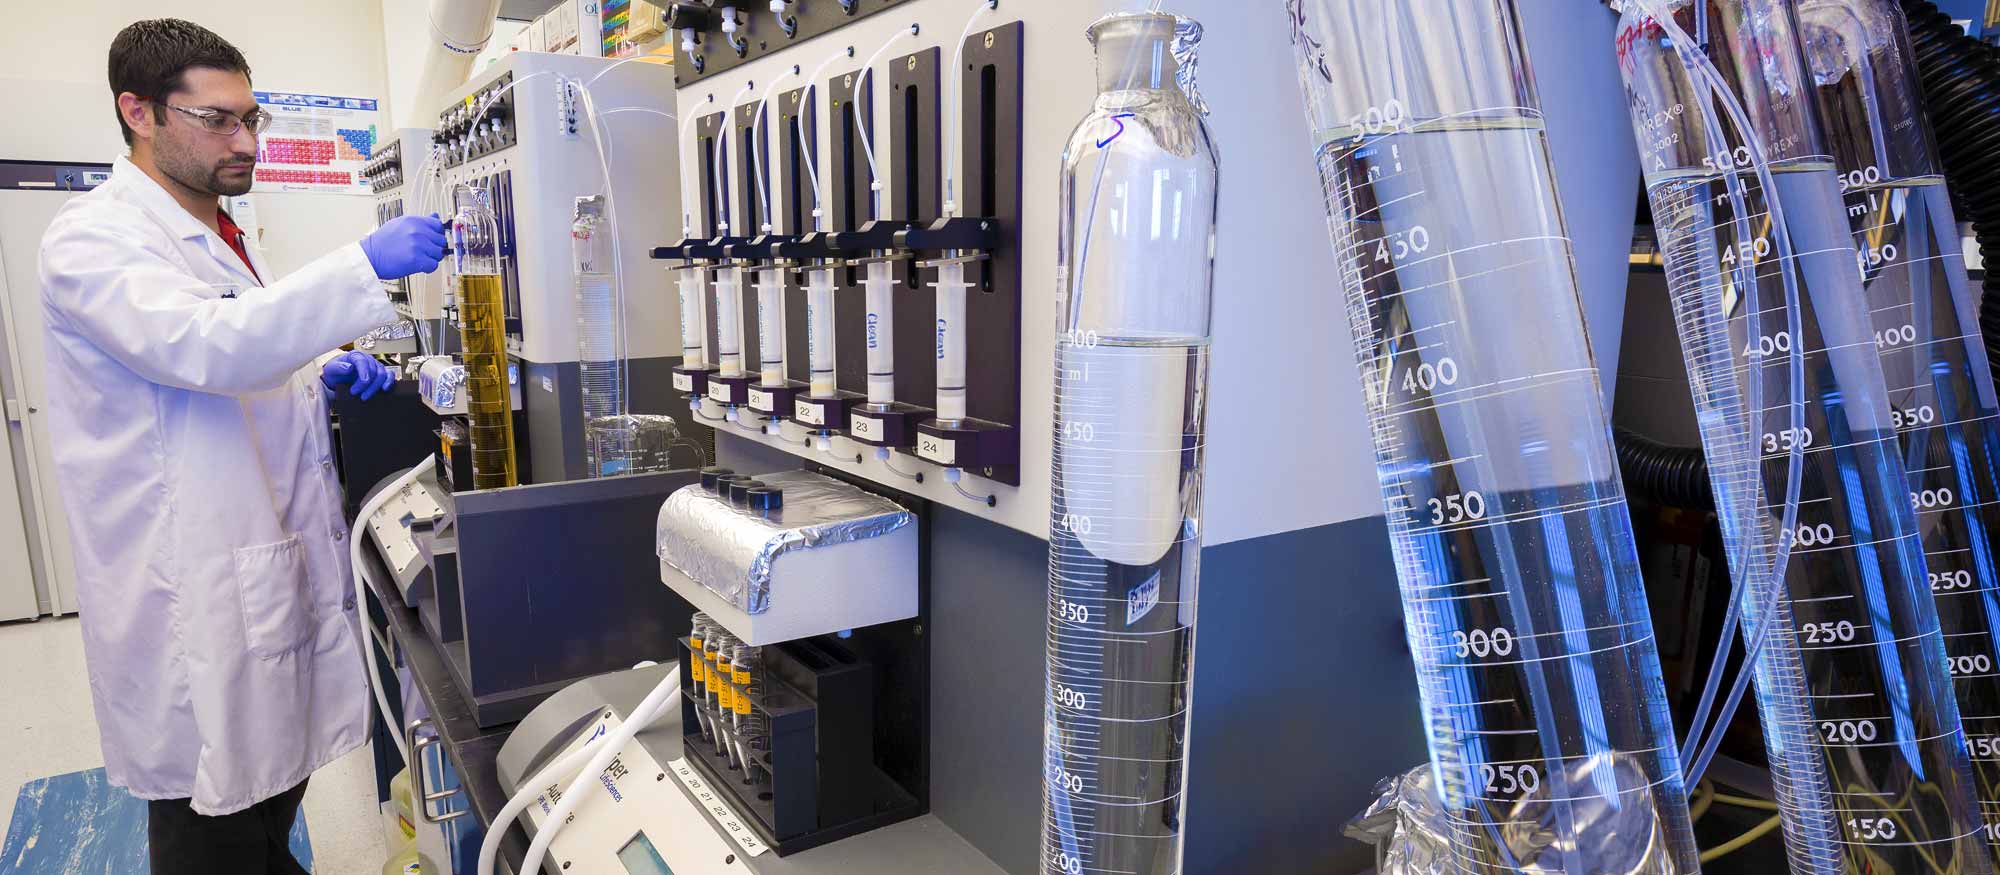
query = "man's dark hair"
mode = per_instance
[{"x": 151, "y": 58}]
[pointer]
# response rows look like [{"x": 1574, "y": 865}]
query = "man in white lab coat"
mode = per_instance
[{"x": 188, "y": 394}]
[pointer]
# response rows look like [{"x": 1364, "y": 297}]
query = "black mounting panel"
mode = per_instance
[
  {"x": 917, "y": 173},
  {"x": 847, "y": 191},
  {"x": 794, "y": 204},
  {"x": 990, "y": 188},
  {"x": 849, "y": 207},
  {"x": 794, "y": 182},
  {"x": 715, "y": 209},
  {"x": 750, "y": 205},
  {"x": 714, "y": 198},
  {"x": 760, "y": 34}
]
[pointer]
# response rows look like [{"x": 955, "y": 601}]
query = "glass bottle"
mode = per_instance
[{"x": 1135, "y": 283}]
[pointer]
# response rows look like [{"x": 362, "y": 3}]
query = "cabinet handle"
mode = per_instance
[{"x": 418, "y": 744}]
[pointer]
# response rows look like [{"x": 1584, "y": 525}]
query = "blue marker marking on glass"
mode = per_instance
[{"x": 1120, "y": 120}]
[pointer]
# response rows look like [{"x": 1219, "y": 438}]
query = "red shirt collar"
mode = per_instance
[{"x": 233, "y": 235}]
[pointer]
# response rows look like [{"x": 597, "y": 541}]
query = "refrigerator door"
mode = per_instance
[{"x": 24, "y": 458}]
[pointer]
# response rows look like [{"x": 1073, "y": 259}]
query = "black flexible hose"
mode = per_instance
[
  {"x": 1669, "y": 475},
  {"x": 1961, "y": 78}
]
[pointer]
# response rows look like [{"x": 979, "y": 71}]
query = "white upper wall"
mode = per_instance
[{"x": 53, "y": 89}]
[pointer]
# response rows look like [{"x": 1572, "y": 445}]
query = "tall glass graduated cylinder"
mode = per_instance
[
  {"x": 1550, "y": 739},
  {"x": 1861, "y": 728},
  {"x": 482, "y": 325},
  {"x": 1925, "y": 316},
  {"x": 1135, "y": 279}
]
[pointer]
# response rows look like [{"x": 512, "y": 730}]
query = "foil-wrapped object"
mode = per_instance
[
  {"x": 731, "y": 551},
  {"x": 401, "y": 329},
  {"x": 1604, "y": 830},
  {"x": 1187, "y": 56}
]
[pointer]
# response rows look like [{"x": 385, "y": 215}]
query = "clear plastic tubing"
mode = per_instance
[
  {"x": 1926, "y": 326},
  {"x": 600, "y": 363},
  {"x": 1135, "y": 279},
  {"x": 771, "y": 326},
  {"x": 1550, "y": 739},
  {"x": 820, "y": 362},
  {"x": 1861, "y": 728},
  {"x": 879, "y": 285},
  {"x": 951, "y": 340}
]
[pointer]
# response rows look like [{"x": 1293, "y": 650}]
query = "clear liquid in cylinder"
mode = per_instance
[
  {"x": 1524, "y": 607},
  {"x": 1859, "y": 719},
  {"x": 1124, "y": 557},
  {"x": 482, "y": 319},
  {"x": 1942, "y": 406}
]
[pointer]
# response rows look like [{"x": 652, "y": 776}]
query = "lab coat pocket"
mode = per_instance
[{"x": 271, "y": 583}]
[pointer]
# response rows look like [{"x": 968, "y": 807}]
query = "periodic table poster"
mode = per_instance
[{"x": 316, "y": 142}]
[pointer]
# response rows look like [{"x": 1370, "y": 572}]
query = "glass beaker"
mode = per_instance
[
  {"x": 1549, "y": 733},
  {"x": 1135, "y": 277}
]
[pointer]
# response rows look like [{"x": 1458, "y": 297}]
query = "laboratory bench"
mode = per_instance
[{"x": 469, "y": 751}]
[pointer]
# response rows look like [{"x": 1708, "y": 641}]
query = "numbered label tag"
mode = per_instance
[
  {"x": 943, "y": 451},
  {"x": 718, "y": 392},
  {"x": 711, "y": 800},
  {"x": 760, "y": 400},
  {"x": 865, "y": 427},
  {"x": 808, "y": 413},
  {"x": 683, "y": 382}
]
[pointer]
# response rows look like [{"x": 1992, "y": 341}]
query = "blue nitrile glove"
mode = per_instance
[
  {"x": 406, "y": 245},
  {"x": 363, "y": 376}
]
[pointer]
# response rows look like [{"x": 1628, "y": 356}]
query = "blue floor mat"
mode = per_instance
[{"x": 78, "y": 824}]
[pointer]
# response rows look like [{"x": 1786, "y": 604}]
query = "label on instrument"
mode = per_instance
[
  {"x": 1142, "y": 599},
  {"x": 865, "y": 427},
  {"x": 684, "y": 382},
  {"x": 706, "y": 797},
  {"x": 760, "y": 401},
  {"x": 943, "y": 451},
  {"x": 718, "y": 392},
  {"x": 808, "y": 413},
  {"x": 725, "y": 698}
]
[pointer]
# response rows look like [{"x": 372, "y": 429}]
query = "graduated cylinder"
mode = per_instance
[
  {"x": 1550, "y": 739},
  {"x": 482, "y": 323},
  {"x": 1135, "y": 276}
]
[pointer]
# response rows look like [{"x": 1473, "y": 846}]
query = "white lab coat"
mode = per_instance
[{"x": 192, "y": 447}]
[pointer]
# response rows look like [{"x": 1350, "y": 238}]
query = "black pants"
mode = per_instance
[{"x": 254, "y": 841}]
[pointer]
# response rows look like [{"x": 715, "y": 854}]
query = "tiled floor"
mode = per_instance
[{"x": 47, "y": 728}]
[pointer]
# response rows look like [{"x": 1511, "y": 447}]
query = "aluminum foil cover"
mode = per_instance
[
  {"x": 1601, "y": 824},
  {"x": 731, "y": 551}
]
